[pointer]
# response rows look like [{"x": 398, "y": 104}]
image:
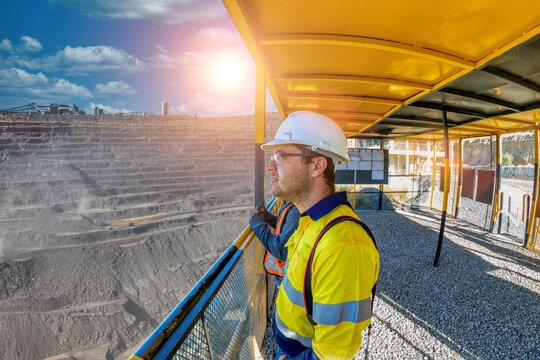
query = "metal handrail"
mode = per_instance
[{"x": 176, "y": 326}]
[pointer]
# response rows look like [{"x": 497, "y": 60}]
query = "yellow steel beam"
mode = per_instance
[
  {"x": 479, "y": 127},
  {"x": 348, "y": 121},
  {"x": 260, "y": 126},
  {"x": 260, "y": 104},
  {"x": 360, "y": 99},
  {"x": 516, "y": 121},
  {"x": 463, "y": 132},
  {"x": 520, "y": 129},
  {"x": 469, "y": 132},
  {"x": 349, "y": 115},
  {"x": 352, "y": 79},
  {"x": 394, "y": 108},
  {"x": 527, "y": 35},
  {"x": 519, "y": 40},
  {"x": 273, "y": 93},
  {"x": 246, "y": 28},
  {"x": 367, "y": 43},
  {"x": 343, "y": 114}
]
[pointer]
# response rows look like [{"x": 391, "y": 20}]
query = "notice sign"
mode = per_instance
[{"x": 367, "y": 166}]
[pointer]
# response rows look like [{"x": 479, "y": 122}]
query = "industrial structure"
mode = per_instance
[{"x": 32, "y": 108}]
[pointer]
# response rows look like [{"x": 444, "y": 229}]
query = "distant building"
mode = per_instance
[
  {"x": 164, "y": 108},
  {"x": 62, "y": 109}
]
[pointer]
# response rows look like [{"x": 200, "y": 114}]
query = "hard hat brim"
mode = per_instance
[{"x": 269, "y": 146}]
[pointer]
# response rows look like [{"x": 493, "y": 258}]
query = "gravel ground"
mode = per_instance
[{"x": 481, "y": 302}]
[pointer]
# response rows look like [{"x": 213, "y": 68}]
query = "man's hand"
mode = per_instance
[
  {"x": 283, "y": 357},
  {"x": 261, "y": 211}
]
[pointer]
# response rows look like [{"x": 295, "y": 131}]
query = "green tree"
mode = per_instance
[{"x": 507, "y": 159}]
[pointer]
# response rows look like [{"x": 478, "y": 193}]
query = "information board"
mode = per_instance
[{"x": 367, "y": 166}]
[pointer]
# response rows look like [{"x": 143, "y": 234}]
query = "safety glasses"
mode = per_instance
[{"x": 277, "y": 156}]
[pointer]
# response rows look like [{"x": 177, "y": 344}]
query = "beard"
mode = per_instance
[{"x": 294, "y": 186}]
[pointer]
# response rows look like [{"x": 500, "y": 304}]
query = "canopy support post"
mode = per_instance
[
  {"x": 433, "y": 144},
  {"x": 260, "y": 124},
  {"x": 532, "y": 214},
  {"x": 381, "y": 187},
  {"x": 446, "y": 188},
  {"x": 497, "y": 183},
  {"x": 460, "y": 177}
]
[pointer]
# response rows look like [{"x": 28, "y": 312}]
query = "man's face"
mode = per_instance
[{"x": 291, "y": 178}]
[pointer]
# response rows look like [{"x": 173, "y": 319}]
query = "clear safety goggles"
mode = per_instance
[{"x": 279, "y": 155}]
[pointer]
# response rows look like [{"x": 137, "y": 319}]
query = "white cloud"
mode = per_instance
[
  {"x": 101, "y": 59},
  {"x": 5, "y": 45},
  {"x": 163, "y": 11},
  {"x": 20, "y": 78},
  {"x": 27, "y": 87},
  {"x": 218, "y": 34},
  {"x": 64, "y": 87},
  {"x": 106, "y": 109},
  {"x": 29, "y": 44},
  {"x": 115, "y": 88},
  {"x": 163, "y": 60}
]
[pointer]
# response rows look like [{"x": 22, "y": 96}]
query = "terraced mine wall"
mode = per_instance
[{"x": 107, "y": 222}]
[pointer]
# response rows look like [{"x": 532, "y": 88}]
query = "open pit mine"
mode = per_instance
[{"x": 106, "y": 222}]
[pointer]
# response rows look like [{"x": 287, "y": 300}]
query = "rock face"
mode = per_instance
[{"x": 107, "y": 222}]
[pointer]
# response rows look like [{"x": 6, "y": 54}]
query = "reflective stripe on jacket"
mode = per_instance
[
  {"x": 271, "y": 264},
  {"x": 345, "y": 268}
]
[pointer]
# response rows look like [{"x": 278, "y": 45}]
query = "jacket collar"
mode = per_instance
[{"x": 326, "y": 205}]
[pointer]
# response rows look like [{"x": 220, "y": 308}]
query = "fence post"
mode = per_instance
[
  {"x": 460, "y": 177},
  {"x": 509, "y": 214},
  {"x": 381, "y": 187},
  {"x": 501, "y": 206},
  {"x": 531, "y": 216},
  {"x": 497, "y": 180},
  {"x": 207, "y": 337},
  {"x": 446, "y": 188},
  {"x": 260, "y": 123}
]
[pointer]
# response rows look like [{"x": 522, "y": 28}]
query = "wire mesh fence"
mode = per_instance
[
  {"x": 233, "y": 322},
  {"x": 225, "y": 315}
]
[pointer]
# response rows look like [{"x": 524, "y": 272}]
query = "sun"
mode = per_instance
[{"x": 227, "y": 72}]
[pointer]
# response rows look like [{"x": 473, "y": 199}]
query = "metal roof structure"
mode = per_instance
[{"x": 390, "y": 69}]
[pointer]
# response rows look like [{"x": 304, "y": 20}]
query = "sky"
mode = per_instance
[{"x": 125, "y": 56}]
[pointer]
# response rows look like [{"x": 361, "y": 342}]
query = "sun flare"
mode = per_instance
[{"x": 227, "y": 72}]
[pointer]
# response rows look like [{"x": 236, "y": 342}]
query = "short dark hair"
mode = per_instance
[{"x": 329, "y": 174}]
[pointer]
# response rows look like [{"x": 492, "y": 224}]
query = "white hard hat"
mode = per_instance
[{"x": 318, "y": 132}]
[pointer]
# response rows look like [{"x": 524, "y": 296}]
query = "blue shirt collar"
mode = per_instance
[{"x": 326, "y": 205}]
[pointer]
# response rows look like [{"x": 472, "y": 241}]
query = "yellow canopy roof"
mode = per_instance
[{"x": 389, "y": 69}]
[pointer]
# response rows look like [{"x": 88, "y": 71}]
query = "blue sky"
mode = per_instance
[{"x": 125, "y": 56}]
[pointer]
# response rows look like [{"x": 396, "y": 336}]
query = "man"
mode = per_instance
[
  {"x": 307, "y": 148},
  {"x": 274, "y": 241}
]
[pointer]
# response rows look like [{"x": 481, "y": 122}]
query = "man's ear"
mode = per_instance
[{"x": 319, "y": 165}]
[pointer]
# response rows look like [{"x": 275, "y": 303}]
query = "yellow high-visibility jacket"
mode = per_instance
[{"x": 345, "y": 269}]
